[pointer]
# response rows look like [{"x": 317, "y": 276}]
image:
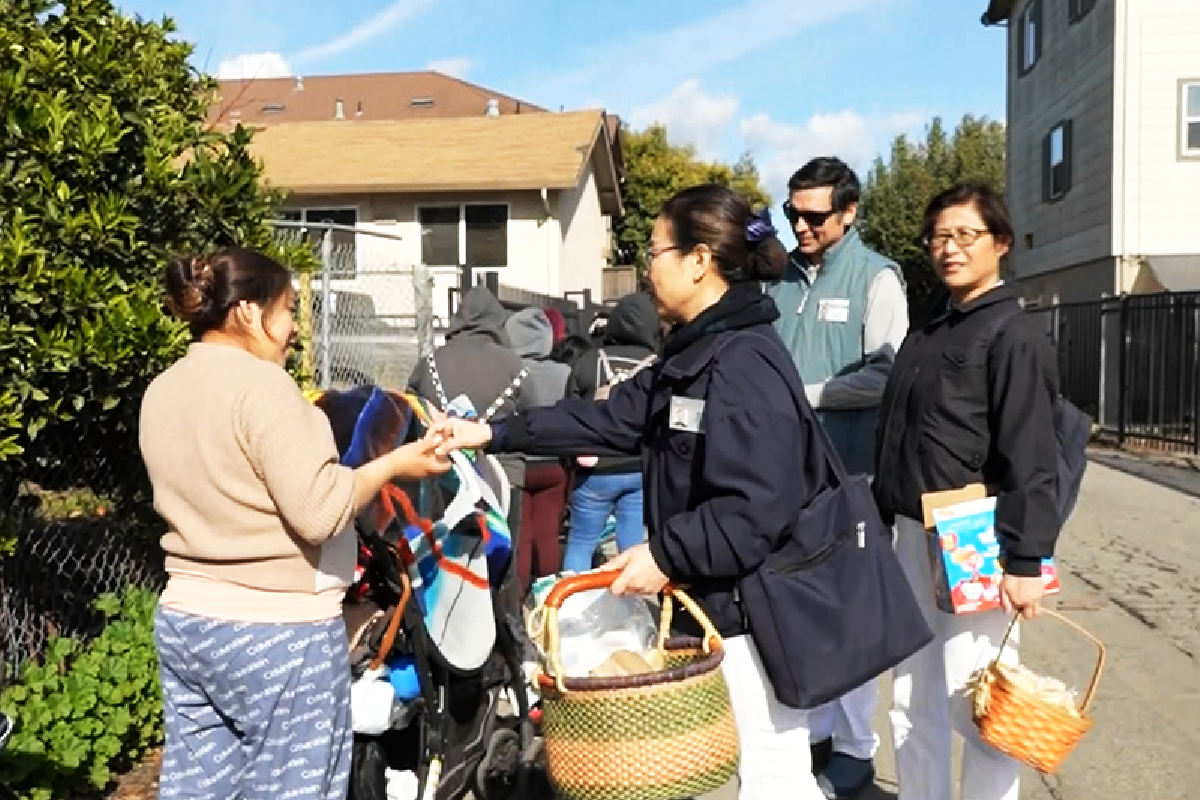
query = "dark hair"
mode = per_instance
[
  {"x": 571, "y": 349},
  {"x": 718, "y": 217},
  {"x": 986, "y": 201},
  {"x": 828, "y": 171},
  {"x": 202, "y": 289}
]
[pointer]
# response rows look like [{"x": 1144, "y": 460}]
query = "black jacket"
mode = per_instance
[
  {"x": 631, "y": 335},
  {"x": 476, "y": 360},
  {"x": 964, "y": 406},
  {"x": 718, "y": 501}
]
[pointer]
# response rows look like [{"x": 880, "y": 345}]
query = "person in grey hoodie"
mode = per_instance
[
  {"x": 477, "y": 361},
  {"x": 545, "y": 494}
]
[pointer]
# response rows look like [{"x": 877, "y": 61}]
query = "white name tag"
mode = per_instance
[
  {"x": 833, "y": 309},
  {"x": 686, "y": 413}
]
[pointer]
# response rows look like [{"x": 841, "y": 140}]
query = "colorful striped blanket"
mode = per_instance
[{"x": 451, "y": 531}]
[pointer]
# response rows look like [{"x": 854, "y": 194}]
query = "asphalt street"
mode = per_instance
[{"x": 1132, "y": 577}]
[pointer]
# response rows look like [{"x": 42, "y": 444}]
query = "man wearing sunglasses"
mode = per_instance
[{"x": 843, "y": 315}]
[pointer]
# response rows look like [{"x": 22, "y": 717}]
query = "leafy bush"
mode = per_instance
[
  {"x": 108, "y": 168},
  {"x": 86, "y": 711}
]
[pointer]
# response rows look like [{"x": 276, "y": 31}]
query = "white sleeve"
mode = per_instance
[{"x": 885, "y": 325}]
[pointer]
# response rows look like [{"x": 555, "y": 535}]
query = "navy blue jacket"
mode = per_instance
[{"x": 719, "y": 501}]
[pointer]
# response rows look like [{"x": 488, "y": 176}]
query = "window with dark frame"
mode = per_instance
[
  {"x": 1078, "y": 9},
  {"x": 1056, "y": 162},
  {"x": 344, "y": 243},
  {"x": 439, "y": 235},
  {"x": 484, "y": 235},
  {"x": 1030, "y": 35},
  {"x": 1189, "y": 108},
  {"x": 487, "y": 235}
]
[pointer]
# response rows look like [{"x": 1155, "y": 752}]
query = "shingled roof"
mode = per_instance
[
  {"x": 508, "y": 152},
  {"x": 388, "y": 95}
]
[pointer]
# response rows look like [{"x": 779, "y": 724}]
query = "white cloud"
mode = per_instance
[
  {"x": 780, "y": 149},
  {"x": 637, "y": 67},
  {"x": 254, "y": 65},
  {"x": 455, "y": 67},
  {"x": 382, "y": 23},
  {"x": 691, "y": 116}
]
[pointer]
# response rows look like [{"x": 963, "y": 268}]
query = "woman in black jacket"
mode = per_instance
[
  {"x": 727, "y": 462},
  {"x": 969, "y": 400}
]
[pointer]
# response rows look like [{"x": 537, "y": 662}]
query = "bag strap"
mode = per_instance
[
  {"x": 505, "y": 396},
  {"x": 602, "y": 362}
]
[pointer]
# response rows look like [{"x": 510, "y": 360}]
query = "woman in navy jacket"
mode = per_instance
[{"x": 727, "y": 462}]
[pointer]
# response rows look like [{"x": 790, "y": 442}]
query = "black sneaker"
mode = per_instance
[
  {"x": 821, "y": 752},
  {"x": 846, "y": 777}
]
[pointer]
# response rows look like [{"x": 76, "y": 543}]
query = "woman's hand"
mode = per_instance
[
  {"x": 1019, "y": 593},
  {"x": 457, "y": 434},
  {"x": 420, "y": 459},
  {"x": 639, "y": 573}
]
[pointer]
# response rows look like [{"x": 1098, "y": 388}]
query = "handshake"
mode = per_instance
[{"x": 429, "y": 455}]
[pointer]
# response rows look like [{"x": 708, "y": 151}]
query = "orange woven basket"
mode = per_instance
[{"x": 1017, "y": 722}]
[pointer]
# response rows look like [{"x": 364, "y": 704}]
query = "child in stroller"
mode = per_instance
[{"x": 434, "y": 619}]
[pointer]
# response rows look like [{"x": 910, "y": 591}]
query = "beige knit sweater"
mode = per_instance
[{"x": 245, "y": 473}]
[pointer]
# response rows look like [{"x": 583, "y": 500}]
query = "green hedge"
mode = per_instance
[{"x": 86, "y": 711}]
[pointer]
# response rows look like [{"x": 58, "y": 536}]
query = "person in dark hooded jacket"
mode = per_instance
[
  {"x": 478, "y": 361},
  {"x": 611, "y": 484},
  {"x": 545, "y": 494},
  {"x": 731, "y": 453}
]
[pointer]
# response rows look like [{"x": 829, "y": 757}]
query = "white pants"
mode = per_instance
[
  {"x": 930, "y": 698},
  {"x": 848, "y": 721},
  {"x": 774, "y": 739}
]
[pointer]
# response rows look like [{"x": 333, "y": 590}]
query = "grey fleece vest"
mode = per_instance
[{"x": 821, "y": 321}]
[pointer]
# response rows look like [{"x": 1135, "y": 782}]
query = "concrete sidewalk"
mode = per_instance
[{"x": 1130, "y": 561}]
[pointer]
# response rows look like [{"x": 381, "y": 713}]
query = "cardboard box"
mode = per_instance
[{"x": 965, "y": 552}]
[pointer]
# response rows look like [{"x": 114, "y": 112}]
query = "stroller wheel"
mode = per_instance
[{"x": 496, "y": 775}]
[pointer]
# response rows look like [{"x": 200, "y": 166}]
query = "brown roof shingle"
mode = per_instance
[
  {"x": 525, "y": 151},
  {"x": 375, "y": 96}
]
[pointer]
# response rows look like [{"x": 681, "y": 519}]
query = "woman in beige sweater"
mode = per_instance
[{"x": 260, "y": 544}]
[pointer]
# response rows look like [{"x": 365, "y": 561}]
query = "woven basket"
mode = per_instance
[
  {"x": 655, "y": 736},
  {"x": 1022, "y": 725}
]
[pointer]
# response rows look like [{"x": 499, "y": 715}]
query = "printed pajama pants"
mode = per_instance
[{"x": 254, "y": 710}]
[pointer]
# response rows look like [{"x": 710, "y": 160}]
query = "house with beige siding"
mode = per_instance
[
  {"x": 527, "y": 197},
  {"x": 1103, "y": 145}
]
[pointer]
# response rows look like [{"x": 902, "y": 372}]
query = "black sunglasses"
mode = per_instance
[{"x": 813, "y": 219}]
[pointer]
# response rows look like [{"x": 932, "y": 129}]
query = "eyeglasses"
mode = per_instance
[
  {"x": 963, "y": 237},
  {"x": 652, "y": 254},
  {"x": 813, "y": 219}
]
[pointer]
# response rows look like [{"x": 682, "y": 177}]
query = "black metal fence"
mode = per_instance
[{"x": 1133, "y": 364}]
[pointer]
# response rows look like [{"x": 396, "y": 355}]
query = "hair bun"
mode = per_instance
[{"x": 189, "y": 288}]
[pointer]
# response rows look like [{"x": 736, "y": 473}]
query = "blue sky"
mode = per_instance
[{"x": 783, "y": 79}]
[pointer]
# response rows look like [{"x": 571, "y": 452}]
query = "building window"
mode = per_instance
[
  {"x": 1056, "y": 162},
  {"x": 1030, "y": 32},
  {"x": 1078, "y": 9},
  {"x": 344, "y": 250},
  {"x": 1189, "y": 115},
  {"x": 344, "y": 243},
  {"x": 439, "y": 236},
  {"x": 475, "y": 234}
]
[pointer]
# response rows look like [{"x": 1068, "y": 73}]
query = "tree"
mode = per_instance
[
  {"x": 655, "y": 170},
  {"x": 106, "y": 169},
  {"x": 897, "y": 190}
]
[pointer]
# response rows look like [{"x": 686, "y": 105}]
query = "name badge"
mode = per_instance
[
  {"x": 685, "y": 414},
  {"x": 833, "y": 309}
]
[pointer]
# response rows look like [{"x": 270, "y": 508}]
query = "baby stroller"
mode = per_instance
[{"x": 435, "y": 620}]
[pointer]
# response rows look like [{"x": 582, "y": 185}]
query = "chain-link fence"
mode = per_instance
[
  {"x": 365, "y": 315},
  {"x": 75, "y": 523}
]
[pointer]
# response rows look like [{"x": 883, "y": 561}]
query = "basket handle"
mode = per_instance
[
  {"x": 1100, "y": 648},
  {"x": 604, "y": 579}
]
